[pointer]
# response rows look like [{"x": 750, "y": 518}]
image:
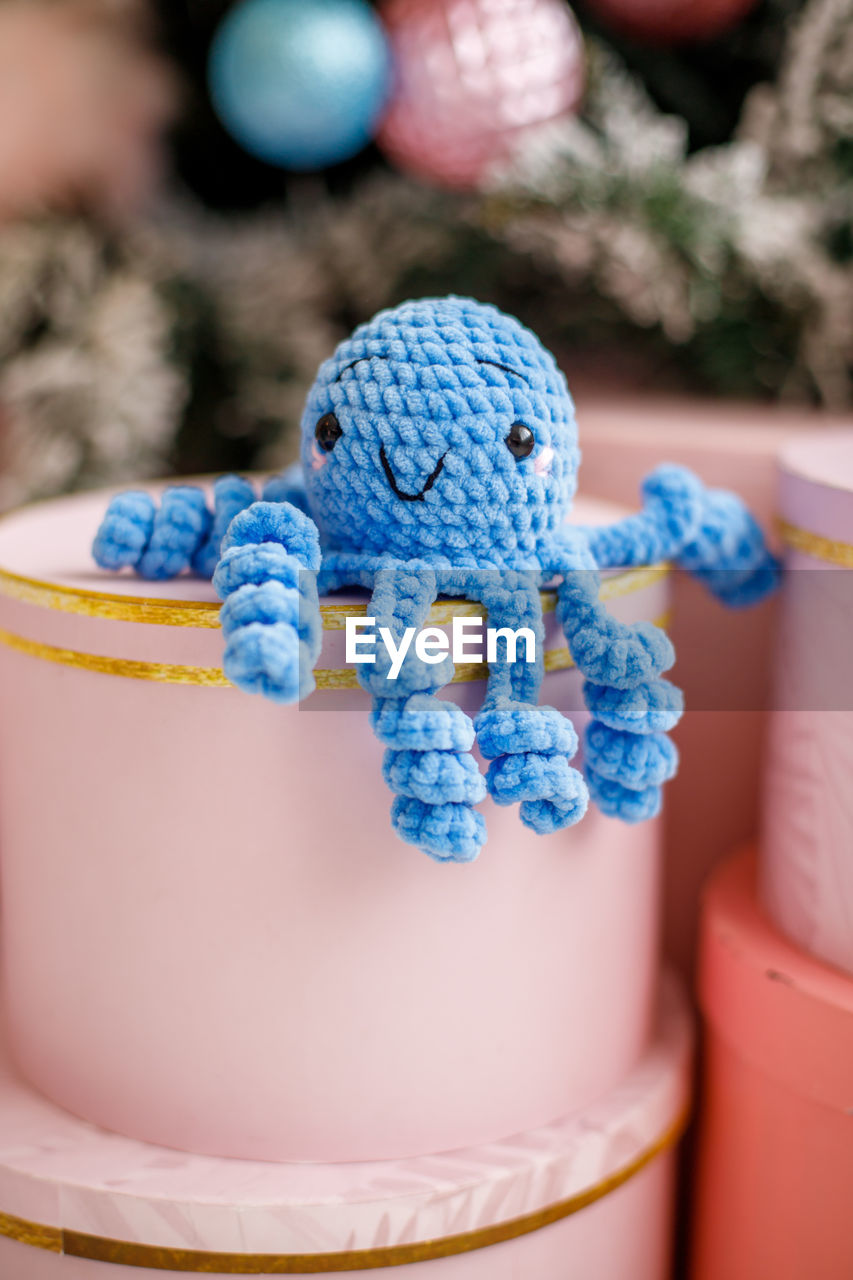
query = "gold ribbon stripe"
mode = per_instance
[
  {"x": 78, "y": 1244},
  {"x": 200, "y": 613},
  {"x": 163, "y": 672},
  {"x": 101, "y": 604},
  {"x": 814, "y": 544},
  {"x": 31, "y": 1233},
  {"x": 214, "y": 677}
]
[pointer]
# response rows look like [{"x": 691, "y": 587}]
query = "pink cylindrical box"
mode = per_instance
[
  {"x": 723, "y": 663},
  {"x": 212, "y": 938},
  {"x": 807, "y": 831},
  {"x": 589, "y": 1196},
  {"x": 776, "y": 1136}
]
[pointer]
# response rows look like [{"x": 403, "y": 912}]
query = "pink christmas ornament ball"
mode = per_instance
[{"x": 472, "y": 77}]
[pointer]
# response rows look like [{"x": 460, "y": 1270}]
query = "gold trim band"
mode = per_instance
[
  {"x": 814, "y": 544},
  {"x": 214, "y": 678},
  {"x": 201, "y": 613},
  {"x": 78, "y": 1244},
  {"x": 31, "y": 1233},
  {"x": 115, "y": 608},
  {"x": 162, "y": 672}
]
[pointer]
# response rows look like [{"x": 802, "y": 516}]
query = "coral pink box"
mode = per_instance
[
  {"x": 776, "y": 1139},
  {"x": 213, "y": 940},
  {"x": 723, "y": 662},
  {"x": 589, "y": 1196},
  {"x": 807, "y": 832}
]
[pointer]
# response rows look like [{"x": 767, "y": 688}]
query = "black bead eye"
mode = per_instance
[
  {"x": 327, "y": 432},
  {"x": 520, "y": 440}
]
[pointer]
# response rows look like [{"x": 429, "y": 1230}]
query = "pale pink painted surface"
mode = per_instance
[
  {"x": 807, "y": 831},
  {"x": 723, "y": 655},
  {"x": 213, "y": 940},
  {"x": 816, "y": 483},
  {"x": 776, "y": 1146},
  {"x": 62, "y": 1172}
]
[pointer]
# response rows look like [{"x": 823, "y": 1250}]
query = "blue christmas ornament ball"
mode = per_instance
[{"x": 300, "y": 83}]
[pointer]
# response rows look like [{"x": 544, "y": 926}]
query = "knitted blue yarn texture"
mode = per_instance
[
  {"x": 440, "y": 458},
  {"x": 438, "y": 384}
]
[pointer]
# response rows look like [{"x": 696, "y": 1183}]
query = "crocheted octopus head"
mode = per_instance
[{"x": 441, "y": 429}]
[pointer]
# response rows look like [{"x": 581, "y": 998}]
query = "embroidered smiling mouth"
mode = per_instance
[{"x": 410, "y": 497}]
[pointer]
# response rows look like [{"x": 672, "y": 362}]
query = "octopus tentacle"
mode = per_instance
[
  {"x": 267, "y": 580},
  {"x": 231, "y": 495},
  {"x": 158, "y": 542},
  {"x": 287, "y": 486},
  {"x": 183, "y": 533},
  {"x": 708, "y": 532},
  {"x": 627, "y": 756},
  {"x": 427, "y": 763},
  {"x": 125, "y": 531},
  {"x": 529, "y": 746},
  {"x": 608, "y": 652}
]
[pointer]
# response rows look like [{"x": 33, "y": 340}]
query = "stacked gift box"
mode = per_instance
[
  {"x": 776, "y": 972},
  {"x": 248, "y": 1031}
]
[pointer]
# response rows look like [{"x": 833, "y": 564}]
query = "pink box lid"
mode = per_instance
[
  {"x": 52, "y": 594},
  {"x": 786, "y": 1012},
  {"x": 68, "y": 1186}
]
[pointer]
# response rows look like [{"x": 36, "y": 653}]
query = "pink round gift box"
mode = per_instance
[
  {"x": 212, "y": 938},
  {"x": 807, "y": 831},
  {"x": 589, "y": 1196},
  {"x": 776, "y": 1136}
]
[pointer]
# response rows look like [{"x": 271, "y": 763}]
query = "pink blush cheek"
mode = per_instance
[
  {"x": 318, "y": 458},
  {"x": 542, "y": 464}
]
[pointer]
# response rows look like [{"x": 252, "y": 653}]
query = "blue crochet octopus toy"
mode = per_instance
[{"x": 440, "y": 457}]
